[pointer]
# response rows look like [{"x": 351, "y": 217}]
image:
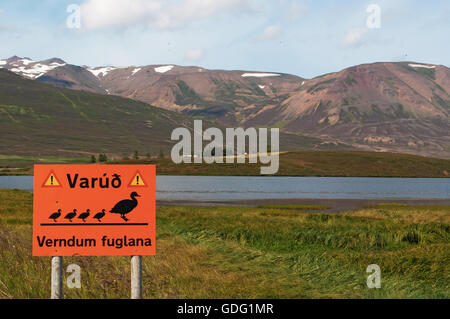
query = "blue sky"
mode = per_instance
[{"x": 302, "y": 37}]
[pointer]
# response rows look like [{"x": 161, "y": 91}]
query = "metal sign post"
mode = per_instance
[
  {"x": 57, "y": 277},
  {"x": 136, "y": 277},
  {"x": 116, "y": 216}
]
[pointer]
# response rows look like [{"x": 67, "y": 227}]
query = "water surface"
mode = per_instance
[{"x": 225, "y": 188}]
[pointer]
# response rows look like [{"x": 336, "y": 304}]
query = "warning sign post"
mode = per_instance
[{"x": 94, "y": 210}]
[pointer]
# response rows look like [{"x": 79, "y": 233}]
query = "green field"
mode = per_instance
[
  {"x": 266, "y": 252},
  {"x": 295, "y": 163},
  {"x": 22, "y": 165}
]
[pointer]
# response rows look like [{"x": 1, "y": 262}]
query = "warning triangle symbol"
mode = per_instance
[
  {"x": 137, "y": 181},
  {"x": 51, "y": 181}
]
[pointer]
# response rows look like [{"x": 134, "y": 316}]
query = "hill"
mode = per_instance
[
  {"x": 39, "y": 119},
  {"x": 401, "y": 107}
]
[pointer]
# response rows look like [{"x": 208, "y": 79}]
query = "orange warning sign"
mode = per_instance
[{"x": 94, "y": 210}]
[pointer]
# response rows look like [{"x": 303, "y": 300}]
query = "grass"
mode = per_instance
[
  {"x": 266, "y": 252},
  {"x": 22, "y": 165},
  {"x": 318, "y": 163},
  {"x": 295, "y": 163},
  {"x": 295, "y": 207}
]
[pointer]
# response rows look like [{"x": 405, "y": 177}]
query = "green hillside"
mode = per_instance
[{"x": 39, "y": 119}]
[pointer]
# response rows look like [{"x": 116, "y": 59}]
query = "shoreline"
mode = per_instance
[
  {"x": 335, "y": 205},
  {"x": 276, "y": 175}
]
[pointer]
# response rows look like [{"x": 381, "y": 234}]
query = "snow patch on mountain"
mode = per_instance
[
  {"x": 164, "y": 69},
  {"x": 34, "y": 71},
  {"x": 26, "y": 61},
  {"x": 56, "y": 64},
  {"x": 259, "y": 75},
  {"x": 101, "y": 70},
  {"x": 421, "y": 66},
  {"x": 136, "y": 71},
  {"x": 3, "y": 62}
]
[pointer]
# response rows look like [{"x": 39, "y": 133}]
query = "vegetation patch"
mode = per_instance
[
  {"x": 232, "y": 252},
  {"x": 296, "y": 207}
]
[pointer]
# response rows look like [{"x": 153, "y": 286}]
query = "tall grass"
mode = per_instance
[{"x": 230, "y": 252}]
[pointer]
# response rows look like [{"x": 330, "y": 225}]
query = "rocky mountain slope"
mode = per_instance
[
  {"x": 41, "y": 119},
  {"x": 400, "y": 106},
  {"x": 383, "y": 106}
]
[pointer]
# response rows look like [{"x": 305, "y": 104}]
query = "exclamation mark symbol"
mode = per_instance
[
  {"x": 51, "y": 179},
  {"x": 137, "y": 179}
]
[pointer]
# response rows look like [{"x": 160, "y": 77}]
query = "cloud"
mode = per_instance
[
  {"x": 194, "y": 55},
  {"x": 270, "y": 33},
  {"x": 162, "y": 14},
  {"x": 296, "y": 10},
  {"x": 9, "y": 29},
  {"x": 355, "y": 37}
]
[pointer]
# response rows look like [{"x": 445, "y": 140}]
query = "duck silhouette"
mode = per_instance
[
  {"x": 126, "y": 206},
  {"x": 100, "y": 215},
  {"x": 85, "y": 215},
  {"x": 71, "y": 215},
  {"x": 56, "y": 215}
]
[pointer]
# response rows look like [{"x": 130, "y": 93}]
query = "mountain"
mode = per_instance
[
  {"x": 401, "y": 106},
  {"x": 29, "y": 68},
  {"x": 40, "y": 119},
  {"x": 383, "y": 106},
  {"x": 217, "y": 95}
]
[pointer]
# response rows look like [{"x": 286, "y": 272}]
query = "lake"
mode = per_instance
[{"x": 225, "y": 188}]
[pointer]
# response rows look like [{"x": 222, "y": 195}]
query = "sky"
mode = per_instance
[{"x": 302, "y": 37}]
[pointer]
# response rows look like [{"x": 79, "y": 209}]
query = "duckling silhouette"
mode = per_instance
[
  {"x": 100, "y": 215},
  {"x": 126, "y": 206},
  {"x": 85, "y": 215},
  {"x": 56, "y": 215},
  {"x": 71, "y": 215}
]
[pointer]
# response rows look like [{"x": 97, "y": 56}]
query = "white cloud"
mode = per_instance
[
  {"x": 296, "y": 10},
  {"x": 194, "y": 55},
  {"x": 355, "y": 37},
  {"x": 271, "y": 32},
  {"x": 162, "y": 14}
]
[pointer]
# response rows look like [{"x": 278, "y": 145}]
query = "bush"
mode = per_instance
[{"x": 102, "y": 158}]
